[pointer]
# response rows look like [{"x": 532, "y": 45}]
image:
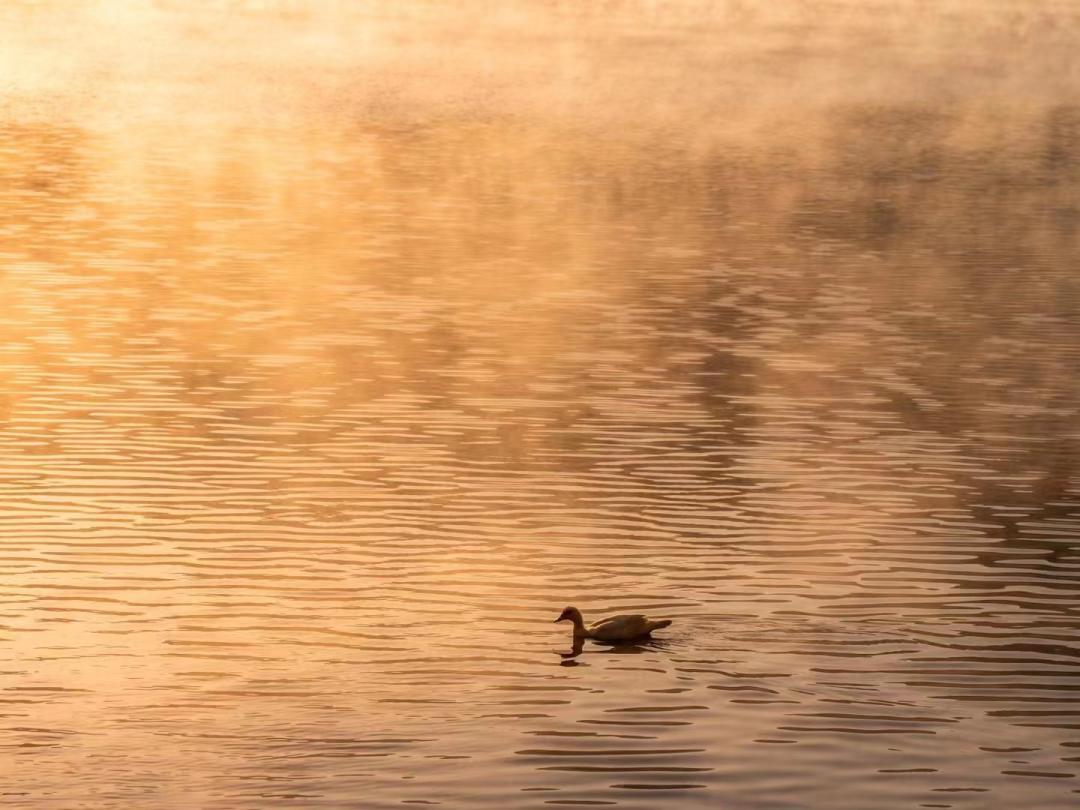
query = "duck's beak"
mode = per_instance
[{"x": 560, "y": 619}]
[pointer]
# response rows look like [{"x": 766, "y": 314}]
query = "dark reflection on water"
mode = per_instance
[{"x": 340, "y": 349}]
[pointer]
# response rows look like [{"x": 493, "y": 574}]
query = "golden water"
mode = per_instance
[{"x": 342, "y": 345}]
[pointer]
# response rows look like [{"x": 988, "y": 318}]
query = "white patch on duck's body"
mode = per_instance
[{"x": 624, "y": 627}]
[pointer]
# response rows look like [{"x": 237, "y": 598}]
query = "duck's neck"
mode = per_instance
[{"x": 579, "y": 627}]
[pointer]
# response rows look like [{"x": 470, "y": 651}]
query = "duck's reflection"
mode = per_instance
[
  {"x": 637, "y": 646},
  {"x": 617, "y": 648},
  {"x": 575, "y": 650}
]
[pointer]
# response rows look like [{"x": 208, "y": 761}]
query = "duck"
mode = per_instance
[{"x": 624, "y": 627}]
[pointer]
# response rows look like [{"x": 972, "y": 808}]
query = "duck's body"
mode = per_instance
[{"x": 625, "y": 627}]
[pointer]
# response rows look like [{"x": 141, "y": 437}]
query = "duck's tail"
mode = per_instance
[{"x": 659, "y": 624}]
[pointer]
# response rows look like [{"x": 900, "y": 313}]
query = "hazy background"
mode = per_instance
[{"x": 343, "y": 344}]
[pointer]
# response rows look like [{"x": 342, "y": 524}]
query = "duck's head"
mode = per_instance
[{"x": 570, "y": 614}]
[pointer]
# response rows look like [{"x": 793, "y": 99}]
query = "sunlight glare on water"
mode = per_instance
[{"x": 342, "y": 345}]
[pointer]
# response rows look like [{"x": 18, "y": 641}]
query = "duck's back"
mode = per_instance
[{"x": 623, "y": 628}]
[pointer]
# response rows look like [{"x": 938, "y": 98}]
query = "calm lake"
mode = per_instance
[{"x": 344, "y": 344}]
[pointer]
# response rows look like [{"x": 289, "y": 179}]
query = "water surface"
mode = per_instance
[{"x": 343, "y": 345}]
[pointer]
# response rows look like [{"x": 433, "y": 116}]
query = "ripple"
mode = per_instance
[{"x": 343, "y": 364}]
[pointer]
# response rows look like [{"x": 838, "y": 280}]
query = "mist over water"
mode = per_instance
[{"x": 342, "y": 345}]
